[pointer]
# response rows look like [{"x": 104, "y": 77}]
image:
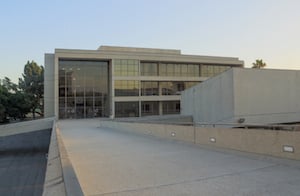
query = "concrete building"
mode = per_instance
[
  {"x": 250, "y": 96},
  {"x": 123, "y": 81}
]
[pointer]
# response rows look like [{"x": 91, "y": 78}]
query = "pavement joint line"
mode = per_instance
[{"x": 186, "y": 181}]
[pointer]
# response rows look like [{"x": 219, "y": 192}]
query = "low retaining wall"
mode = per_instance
[{"x": 279, "y": 143}]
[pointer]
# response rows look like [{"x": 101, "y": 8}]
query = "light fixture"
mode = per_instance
[{"x": 287, "y": 148}]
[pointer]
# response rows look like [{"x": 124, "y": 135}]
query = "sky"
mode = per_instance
[{"x": 247, "y": 29}]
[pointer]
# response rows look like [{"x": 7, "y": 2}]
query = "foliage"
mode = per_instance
[
  {"x": 32, "y": 84},
  {"x": 259, "y": 64},
  {"x": 16, "y": 101}
]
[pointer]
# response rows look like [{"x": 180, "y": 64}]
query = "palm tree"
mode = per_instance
[{"x": 259, "y": 64}]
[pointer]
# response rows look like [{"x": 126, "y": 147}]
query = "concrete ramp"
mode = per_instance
[{"x": 111, "y": 162}]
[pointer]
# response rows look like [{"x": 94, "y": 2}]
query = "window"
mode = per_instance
[
  {"x": 171, "y": 107},
  {"x": 149, "y": 88},
  {"x": 126, "y": 88},
  {"x": 124, "y": 67},
  {"x": 127, "y": 109},
  {"x": 149, "y": 69},
  {"x": 150, "y": 108},
  {"x": 212, "y": 70}
]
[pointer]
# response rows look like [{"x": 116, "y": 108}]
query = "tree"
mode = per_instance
[
  {"x": 13, "y": 102},
  {"x": 3, "y": 103},
  {"x": 32, "y": 85},
  {"x": 259, "y": 64}
]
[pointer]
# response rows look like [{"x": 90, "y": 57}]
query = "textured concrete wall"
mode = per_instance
[
  {"x": 25, "y": 127},
  {"x": 267, "y": 142},
  {"x": 258, "y": 96},
  {"x": 267, "y": 96},
  {"x": 211, "y": 101},
  {"x": 35, "y": 141}
]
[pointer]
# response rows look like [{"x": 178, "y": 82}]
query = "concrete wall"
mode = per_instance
[
  {"x": 60, "y": 179},
  {"x": 267, "y": 142},
  {"x": 54, "y": 181},
  {"x": 267, "y": 96},
  {"x": 49, "y": 85},
  {"x": 25, "y": 127},
  {"x": 211, "y": 101},
  {"x": 35, "y": 141},
  {"x": 258, "y": 96}
]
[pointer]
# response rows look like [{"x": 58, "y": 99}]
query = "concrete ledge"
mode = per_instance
[
  {"x": 26, "y": 126},
  {"x": 54, "y": 182},
  {"x": 60, "y": 177},
  {"x": 277, "y": 143}
]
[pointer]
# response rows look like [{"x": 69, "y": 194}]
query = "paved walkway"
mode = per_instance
[{"x": 114, "y": 163}]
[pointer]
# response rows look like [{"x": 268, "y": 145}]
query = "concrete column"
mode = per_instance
[
  {"x": 49, "y": 103},
  {"x": 112, "y": 90},
  {"x": 160, "y": 108}
]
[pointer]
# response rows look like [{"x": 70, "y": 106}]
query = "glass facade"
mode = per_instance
[
  {"x": 149, "y": 88},
  {"x": 212, "y": 70},
  {"x": 150, "y": 108},
  {"x": 171, "y": 107},
  {"x": 84, "y": 86},
  {"x": 149, "y": 69},
  {"x": 175, "y": 88},
  {"x": 126, "y": 67},
  {"x": 126, "y": 88},
  {"x": 83, "y": 89},
  {"x": 127, "y": 109},
  {"x": 179, "y": 69}
]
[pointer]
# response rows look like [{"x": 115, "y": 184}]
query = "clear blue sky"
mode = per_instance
[{"x": 248, "y": 29}]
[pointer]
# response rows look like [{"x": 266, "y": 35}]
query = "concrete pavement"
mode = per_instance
[{"x": 114, "y": 163}]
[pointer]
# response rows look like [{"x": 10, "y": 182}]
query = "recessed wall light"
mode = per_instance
[{"x": 287, "y": 148}]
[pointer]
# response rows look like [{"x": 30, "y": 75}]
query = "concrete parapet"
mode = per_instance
[
  {"x": 54, "y": 182},
  {"x": 60, "y": 177},
  {"x": 278, "y": 143},
  {"x": 26, "y": 126}
]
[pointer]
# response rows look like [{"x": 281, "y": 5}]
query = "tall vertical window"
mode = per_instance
[{"x": 83, "y": 88}]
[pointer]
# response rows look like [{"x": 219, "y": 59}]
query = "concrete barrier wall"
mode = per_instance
[
  {"x": 60, "y": 179},
  {"x": 54, "y": 181},
  {"x": 35, "y": 141},
  {"x": 27, "y": 126},
  {"x": 261, "y": 141}
]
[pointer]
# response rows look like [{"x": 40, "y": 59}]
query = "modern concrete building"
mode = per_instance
[
  {"x": 123, "y": 81},
  {"x": 249, "y": 96}
]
